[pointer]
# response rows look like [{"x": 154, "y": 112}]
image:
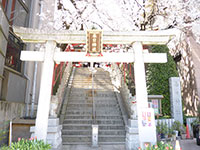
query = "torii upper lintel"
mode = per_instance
[{"x": 30, "y": 35}]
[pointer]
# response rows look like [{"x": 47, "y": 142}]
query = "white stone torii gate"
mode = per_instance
[{"x": 51, "y": 54}]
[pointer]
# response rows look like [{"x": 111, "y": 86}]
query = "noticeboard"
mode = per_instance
[{"x": 154, "y": 101}]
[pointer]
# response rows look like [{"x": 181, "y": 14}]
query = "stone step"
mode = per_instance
[
  {"x": 97, "y": 83},
  {"x": 102, "y": 88},
  {"x": 89, "y": 101},
  {"x": 111, "y": 138},
  {"x": 89, "y": 127},
  {"x": 97, "y": 77},
  {"x": 89, "y": 143},
  {"x": 89, "y": 112},
  {"x": 89, "y": 108},
  {"x": 90, "y": 117},
  {"x": 85, "y": 99},
  {"x": 76, "y": 143},
  {"x": 97, "y": 107},
  {"x": 77, "y": 124},
  {"x": 99, "y": 94},
  {"x": 88, "y": 138},
  {"x": 97, "y": 104},
  {"x": 76, "y": 138},
  {"x": 76, "y": 132},
  {"x": 112, "y": 143},
  {"x": 89, "y": 132},
  {"x": 84, "y": 85},
  {"x": 85, "y": 121}
]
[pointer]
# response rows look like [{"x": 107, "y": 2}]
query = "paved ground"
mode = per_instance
[
  {"x": 185, "y": 145},
  {"x": 189, "y": 145},
  {"x": 102, "y": 147}
]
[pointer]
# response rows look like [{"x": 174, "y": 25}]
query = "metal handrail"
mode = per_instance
[{"x": 93, "y": 99}]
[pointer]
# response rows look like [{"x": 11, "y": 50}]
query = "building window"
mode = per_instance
[
  {"x": 20, "y": 16},
  {"x": 14, "y": 48},
  {"x": 16, "y": 12}
]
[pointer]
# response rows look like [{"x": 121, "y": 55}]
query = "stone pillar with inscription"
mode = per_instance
[{"x": 175, "y": 99}]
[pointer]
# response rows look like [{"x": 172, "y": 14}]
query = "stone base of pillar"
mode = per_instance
[
  {"x": 132, "y": 135},
  {"x": 54, "y": 136}
]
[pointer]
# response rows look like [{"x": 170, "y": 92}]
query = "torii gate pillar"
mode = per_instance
[
  {"x": 45, "y": 91},
  {"x": 140, "y": 79},
  {"x": 146, "y": 119}
]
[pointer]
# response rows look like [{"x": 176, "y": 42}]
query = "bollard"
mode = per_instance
[{"x": 95, "y": 129}]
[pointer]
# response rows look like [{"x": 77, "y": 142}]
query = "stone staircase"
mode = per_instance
[{"x": 78, "y": 115}]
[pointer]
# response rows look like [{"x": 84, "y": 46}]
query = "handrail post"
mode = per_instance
[{"x": 93, "y": 100}]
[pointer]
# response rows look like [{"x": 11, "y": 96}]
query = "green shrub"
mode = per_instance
[
  {"x": 31, "y": 144},
  {"x": 2, "y": 134},
  {"x": 3, "y": 131},
  {"x": 158, "y": 77},
  {"x": 179, "y": 127}
]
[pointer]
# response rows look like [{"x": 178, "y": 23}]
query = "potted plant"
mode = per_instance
[
  {"x": 158, "y": 130},
  {"x": 163, "y": 130},
  {"x": 176, "y": 126},
  {"x": 171, "y": 134}
]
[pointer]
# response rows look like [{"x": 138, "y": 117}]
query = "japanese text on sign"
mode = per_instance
[{"x": 94, "y": 41}]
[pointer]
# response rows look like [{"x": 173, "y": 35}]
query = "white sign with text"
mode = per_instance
[{"x": 147, "y": 127}]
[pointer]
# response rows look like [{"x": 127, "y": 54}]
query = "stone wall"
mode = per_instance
[
  {"x": 127, "y": 98},
  {"x": 188, "y": 67},
  {"x": 57, "y": 100},
  {"x": 9, "y": 111}
]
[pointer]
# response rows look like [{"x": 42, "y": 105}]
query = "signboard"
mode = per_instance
[
  {"x": 147, "y": 127},
  {"x": 156, "y": 105},
  {"x": 94, "y": 42}
]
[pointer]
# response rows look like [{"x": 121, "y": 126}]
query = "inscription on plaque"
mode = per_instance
[
  {"x": 94, "y": 42},
  {"x": 175, "y": 98}
]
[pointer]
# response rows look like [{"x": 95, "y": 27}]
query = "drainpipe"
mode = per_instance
[
  {"x": 27, "y": 98},
  {"x": 33, "y": 23},
  {"x": 34, "y": 89}
]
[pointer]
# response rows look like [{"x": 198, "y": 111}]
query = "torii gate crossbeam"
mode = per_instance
[
  {"x": 29, "y": 35},
  {"x": 50, "y": 54}
]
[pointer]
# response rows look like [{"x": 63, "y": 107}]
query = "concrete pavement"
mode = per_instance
[
  {"x": 189, "y": 144},
  {"x": 87, "y": 147}
]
